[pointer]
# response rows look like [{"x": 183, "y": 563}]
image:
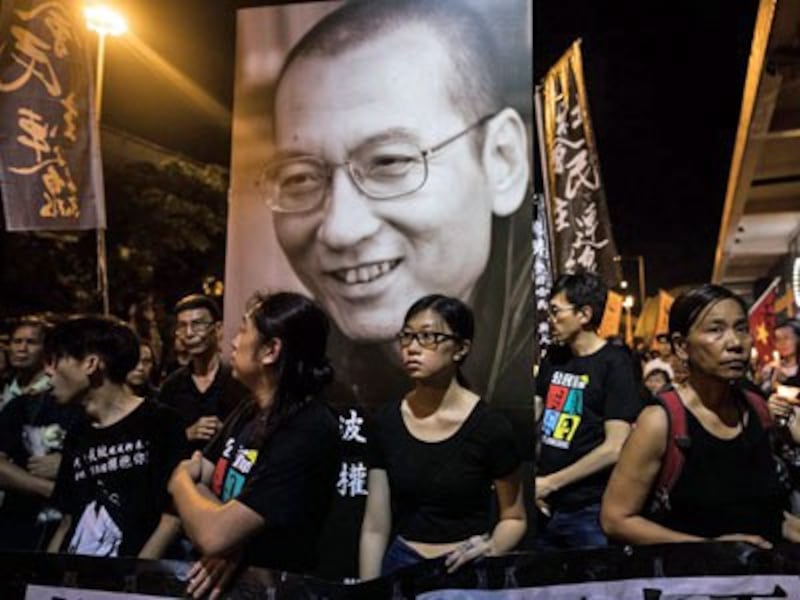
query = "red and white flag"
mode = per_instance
[{"x": 761, "y": 318}]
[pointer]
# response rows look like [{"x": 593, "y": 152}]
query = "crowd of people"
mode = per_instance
[
  {"x": 236, "y": 464},
  {"x": 116, "y": 440}
]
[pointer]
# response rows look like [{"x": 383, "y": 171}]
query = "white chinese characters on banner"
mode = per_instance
[
  {"x": 350, "y": 427},
  {"x": 572, "y": 160},
  {"x": 352, "y": 480}
]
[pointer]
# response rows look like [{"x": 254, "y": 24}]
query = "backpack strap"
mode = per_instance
[
  {"x": 677, "y": 443},
  {"x": 759, "y": 406}
]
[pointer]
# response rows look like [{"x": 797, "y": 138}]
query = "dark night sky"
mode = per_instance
[{"x": 664, "y": 82}]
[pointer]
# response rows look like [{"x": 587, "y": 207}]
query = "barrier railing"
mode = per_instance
[{"x": 646, "y": 572}]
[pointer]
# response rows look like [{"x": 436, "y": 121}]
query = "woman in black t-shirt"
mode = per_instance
[
  {"x": 263, "y": 486},
  {"x": 728, "y": 487},
  {"x": 436, "y": 455}
]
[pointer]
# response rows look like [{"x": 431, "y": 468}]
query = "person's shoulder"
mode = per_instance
[
  {"x": 157, "y": 416},
  {"x": 491, "y": 420},
  {"x": 556, "y": 355},
  {"x": 387, "y": 415}
]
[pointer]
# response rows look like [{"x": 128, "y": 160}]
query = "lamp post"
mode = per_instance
[
  {"x": 627, "y": 304},
  {"x": 640, "y": 261},
  {"x": 104, "y": 21}
]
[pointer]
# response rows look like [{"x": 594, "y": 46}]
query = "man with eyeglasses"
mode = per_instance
[
  {"x": 203, "y": 392},
  {"x": 588, "y": 397},
  {"x": 397, "y": 166}
]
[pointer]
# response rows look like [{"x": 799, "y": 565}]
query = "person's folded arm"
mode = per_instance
[
  {"x": 17, "y": 479},
  {"x": 169, "y": 526},
  {"x": 215, "y": 528}
]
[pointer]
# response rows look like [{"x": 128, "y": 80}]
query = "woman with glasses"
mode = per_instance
[
  {"x": 262, "y": 488},
  {"x": 727, "y": 487},
  {"x": 438, "y": 455}
]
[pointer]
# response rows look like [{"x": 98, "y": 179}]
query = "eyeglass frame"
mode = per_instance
[
  {"x": 439, "y": 337},
  {"x": 329, "y": 167},
  {"x": 198, "y": 325},
  {"x": 553, "y": 310}
]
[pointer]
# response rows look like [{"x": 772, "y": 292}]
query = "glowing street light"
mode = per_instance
[
  {"x": 104, "y": 21},
  {"x": 628, "y": 302}
]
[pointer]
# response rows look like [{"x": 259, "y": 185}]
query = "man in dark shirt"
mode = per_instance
[
  {"x": 111, "y": 485},
  {"x": 590, "y": 399},
  {"x": 204, "y": 392},
  {"x": 32, "y": 431}
]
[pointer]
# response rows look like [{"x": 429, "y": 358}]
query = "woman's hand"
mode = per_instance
[
  {"x": 475, "y": 547},
  {"x": 193, "y": 467},
  {"x": 779, "y": 408},
  {"x": 791, "y": 527},
  {"x": 212, "y": 575}
]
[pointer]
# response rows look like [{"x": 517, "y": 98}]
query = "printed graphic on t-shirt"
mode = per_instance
[
  {"x": 109, "y": 458},
  {"x": 563, "y": 409},
  {"x": 232, "y": 469},
  {"x": 96, "y": 534},
  {"x": 40, "y": 440}
]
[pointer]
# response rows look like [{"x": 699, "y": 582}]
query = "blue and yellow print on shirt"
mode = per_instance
[{"x": 563, "y": 409}]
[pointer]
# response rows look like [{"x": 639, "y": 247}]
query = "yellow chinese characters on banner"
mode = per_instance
[
  {"x": 612, "y": 316},
  {"x": 50, "y": 168}
]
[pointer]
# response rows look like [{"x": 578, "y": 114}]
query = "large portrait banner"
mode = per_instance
[{"x": 381, "y": 153}]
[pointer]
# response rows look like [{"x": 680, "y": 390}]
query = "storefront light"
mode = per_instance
[{"x": 796, "y": 280}]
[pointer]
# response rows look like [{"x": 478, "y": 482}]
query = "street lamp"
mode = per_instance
[
  {"x": 104, "y": 21},
  {"x": 640, "y": 260},
  {"x": 627, "y": 304}
]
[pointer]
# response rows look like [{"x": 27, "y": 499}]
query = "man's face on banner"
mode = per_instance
[{"x": 366, "y": 260}]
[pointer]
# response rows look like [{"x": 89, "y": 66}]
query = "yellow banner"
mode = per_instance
[{"x": 609, "y": 326}]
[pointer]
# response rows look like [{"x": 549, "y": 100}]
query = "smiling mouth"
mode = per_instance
[{"x": 365, "y": 273}]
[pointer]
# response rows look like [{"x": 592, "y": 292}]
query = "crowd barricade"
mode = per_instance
[{"x": 666, "y": 572}]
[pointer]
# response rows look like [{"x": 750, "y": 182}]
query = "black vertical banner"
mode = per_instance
[
  {"x": 576, "y": 202},
  {"x": 50, "y": 169},
  {"x": 542, "y": 270}
]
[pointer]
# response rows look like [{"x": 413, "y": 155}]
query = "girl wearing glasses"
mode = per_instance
[
  {"x": 438, "y": 455},
  {"x": 262, "y": 487}
]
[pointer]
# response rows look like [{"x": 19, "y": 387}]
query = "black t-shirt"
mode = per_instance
[
  {"x": 727, "y": 486},
  {"x": 220, "y": 399},
  {"x": 580, "y": 393},
  {"x": 113, "y": 480},
  {"x": 289, "y": 479},
  {"x": 33, "y": 425},
  {"x": 442, "y": 491}
]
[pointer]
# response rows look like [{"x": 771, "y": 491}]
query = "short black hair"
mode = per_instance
[
  {"x": 473, "y": 85},
  {"x": 583, "y": 289},
  {"x": 197, "y": 301},
  {"x": 36, "y": 321},
  {"x": 113, "y": 340}
]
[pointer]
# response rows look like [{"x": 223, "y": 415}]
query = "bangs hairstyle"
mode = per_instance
[
  {"x": 456, "y": 314},
  {"x": 688, "y": 307},
  {"x": 109, "y": 338},
  {"x": 453, "y": 311}
]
